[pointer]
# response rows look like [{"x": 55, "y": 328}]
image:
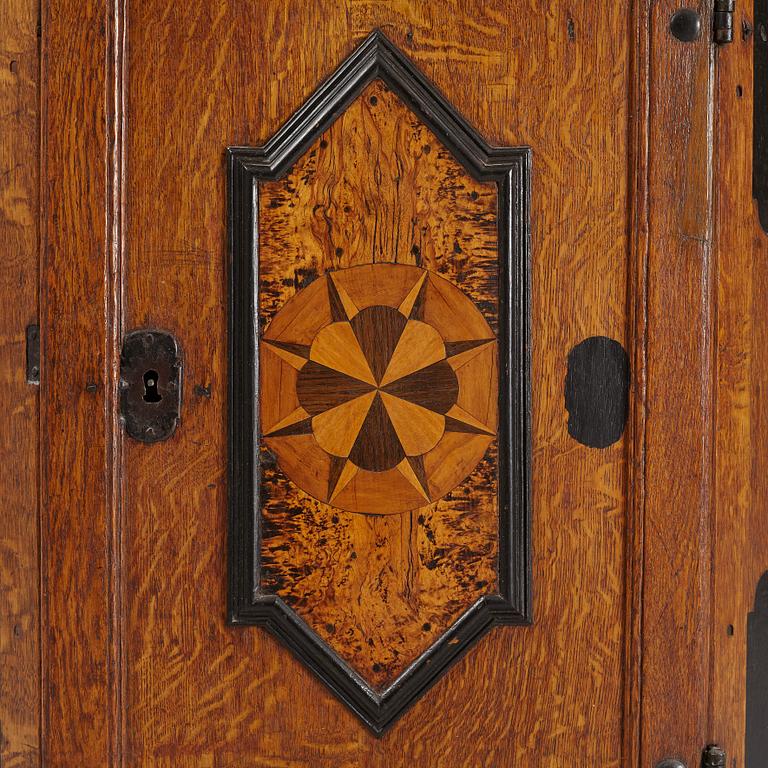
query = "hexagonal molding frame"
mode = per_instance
[{"x": 509, "y": 170}]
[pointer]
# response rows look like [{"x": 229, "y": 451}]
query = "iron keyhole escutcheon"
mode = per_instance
[{"x": 150, "y": 385}]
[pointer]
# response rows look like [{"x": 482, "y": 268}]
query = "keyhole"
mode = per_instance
[{"x": 151, "y": 395}]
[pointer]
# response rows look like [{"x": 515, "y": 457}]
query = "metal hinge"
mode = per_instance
[
  {"x": 722, "y": 21},
  {"x": 33, "y": 354},
  {"x": 714, "y": 757}
]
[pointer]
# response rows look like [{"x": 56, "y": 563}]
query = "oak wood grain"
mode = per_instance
[
  {"x": 19, "y": 406},
  {"x": 78, "y": 294},
  {"x": 678, "y": 395},
  {"x": 200, "y": 693},
  {"x": 740, "y": 527}
]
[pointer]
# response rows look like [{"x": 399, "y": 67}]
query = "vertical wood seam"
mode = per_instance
[
  {"x": 715, "y": 399},
  {"x": 41, "y": 218},
  {"x": 637, "y": 300},
  {"x": 113, "y": 299},
  {"x": 709, "y": 373},
  {"x": 42, "y": 472}
]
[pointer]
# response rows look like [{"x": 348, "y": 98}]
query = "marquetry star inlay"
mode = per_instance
[{"x": 392, "y": 388}]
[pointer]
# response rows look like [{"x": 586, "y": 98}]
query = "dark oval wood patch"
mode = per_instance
[
  {"x": 597, "y": 391},
  {"x": 756, "y": 746}
]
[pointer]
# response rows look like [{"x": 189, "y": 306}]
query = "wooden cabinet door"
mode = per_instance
[{"x": 384, "y": 349}]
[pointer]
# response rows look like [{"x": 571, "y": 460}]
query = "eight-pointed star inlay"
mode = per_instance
[{"x": 393, "y": 400}]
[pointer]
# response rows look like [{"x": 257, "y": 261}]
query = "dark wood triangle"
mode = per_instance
[
  {"x": 378, "y": 329},
  {"x": 454, "y": 425},
  {"x": 434, "y": 387},
  {"x": 417, "y": 310},
  {"x": 377, "y": 447},
  {"x": 299, "y": 428},
  {"x": 320, "y": 388},
  {"x": 334, "y": 473},
  {"x": 457, "y": 347},
  {"x": 302, "y": 350},
  {"x": 338, "y": 313},
  {"x": 417, "y": 465}
]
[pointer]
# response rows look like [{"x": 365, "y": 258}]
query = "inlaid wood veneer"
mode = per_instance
[{"x": 378, "y": 390}]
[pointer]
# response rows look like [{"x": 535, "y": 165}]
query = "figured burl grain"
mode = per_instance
[
  {"x": 380, "y": 589},
  {"x": 378, "y": 186}
]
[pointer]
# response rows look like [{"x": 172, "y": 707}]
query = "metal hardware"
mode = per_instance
[
  {"x": 671, "y": 763},
  {"x": 760, "y": 113},
  {"x": 150, "y": 385},
  {"x": 597, "y": 391},
  {"x": 685, "y": 25},
  {"x": 756, "y": 742},
  {"x": 714, "y": 757},
  {"x": 33, "y": 354},
  {"x": 722, "y": 21}
]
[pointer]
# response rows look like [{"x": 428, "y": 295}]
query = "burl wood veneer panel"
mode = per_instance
[{"x": 379, "y": 189}]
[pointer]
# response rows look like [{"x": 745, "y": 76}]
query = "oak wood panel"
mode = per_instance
[
  {"x": 678, "y": 428},
  {"x": 19, "y": 566},
  {"x": 740, "y": 523},
  {"x": 199, "y": 693},
  {"x": 77, "y": 386}
]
